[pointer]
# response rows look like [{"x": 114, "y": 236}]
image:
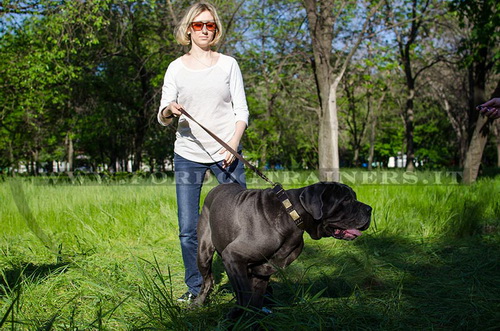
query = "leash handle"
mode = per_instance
[{"x": 228, "y": 148}]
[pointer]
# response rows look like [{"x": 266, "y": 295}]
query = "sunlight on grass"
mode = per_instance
[{"x": 428, "y": 260}]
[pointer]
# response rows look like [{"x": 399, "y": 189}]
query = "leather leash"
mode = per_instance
[
  {"x": 277, "y": 188},
  {"x": 229, "y": 148}
]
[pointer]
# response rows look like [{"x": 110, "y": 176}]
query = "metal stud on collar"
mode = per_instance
[{"x": 285, "y": 201}]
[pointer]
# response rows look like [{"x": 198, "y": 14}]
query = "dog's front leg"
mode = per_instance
[{"x": 259, "y": 285}]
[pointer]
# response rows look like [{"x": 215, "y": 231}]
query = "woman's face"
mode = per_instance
[{"x": 203, "y": 30}]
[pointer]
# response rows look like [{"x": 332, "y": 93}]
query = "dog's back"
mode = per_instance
[
  {"x": 225, "y": 192},
  {"x": 229, "y": 210}
]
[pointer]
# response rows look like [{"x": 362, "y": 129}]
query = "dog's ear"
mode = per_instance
[{"x": 312, "y": 201}]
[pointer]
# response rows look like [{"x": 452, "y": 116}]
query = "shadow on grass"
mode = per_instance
[
  {"x": 379, "y": 282},
  {"x": 390, "y": 282},
  {"x": 11, "y": 278}
]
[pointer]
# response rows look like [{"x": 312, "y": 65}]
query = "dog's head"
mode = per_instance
[{"x": 336, "y": 211}]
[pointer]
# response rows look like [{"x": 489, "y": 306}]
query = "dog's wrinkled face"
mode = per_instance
[{"x": 336, "y": 210}]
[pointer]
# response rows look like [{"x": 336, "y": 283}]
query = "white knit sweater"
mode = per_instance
[{"x": 214, "y": 96}]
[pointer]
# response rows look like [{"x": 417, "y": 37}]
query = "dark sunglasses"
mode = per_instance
[{"x": 198, "y": 26}]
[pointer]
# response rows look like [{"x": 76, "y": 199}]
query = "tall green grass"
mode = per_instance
[{"x": 111, "y": 260}]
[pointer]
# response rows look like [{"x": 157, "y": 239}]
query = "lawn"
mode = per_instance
[{"x": 104, "y": 254}]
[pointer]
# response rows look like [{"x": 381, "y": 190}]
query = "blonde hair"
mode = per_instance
[{"x": 181, "y": 31}]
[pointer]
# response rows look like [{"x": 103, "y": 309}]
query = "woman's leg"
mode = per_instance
[{"x": 189, "y": 180}]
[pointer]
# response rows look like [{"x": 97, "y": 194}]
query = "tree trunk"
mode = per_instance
[
  {"x": 406, "y": 34},
  {"x": 138, "y": 143},
  {"x": 372, "y": 142},
  {"x": 355, "y": 158},
  {"x": 69, "y": 151},
  {"x": 14, "y": 164},
  {"x": 141, "y": 120},
  {"x": 476, "y": 148},
  {"x": 478, "y": 141},
  {"x": 409, "y": 113},
  {"x": 496, "y": 132},
  {"x": 35, "y": 163},
  {"x": 113, "y": 161},
  {"x": 328, "y": 140},
  {"x": 263, "y": 157}
]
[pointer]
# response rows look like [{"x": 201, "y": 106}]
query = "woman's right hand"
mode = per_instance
[{"x": 172, "y": 109}]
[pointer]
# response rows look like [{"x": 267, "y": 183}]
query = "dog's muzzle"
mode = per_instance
[{"x": 353, "y": 233}]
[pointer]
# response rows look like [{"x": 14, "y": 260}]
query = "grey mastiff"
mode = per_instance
[{"x": 254, "y": 234}]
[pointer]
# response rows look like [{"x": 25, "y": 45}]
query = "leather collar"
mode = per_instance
[{"x": 285, "y": 201}]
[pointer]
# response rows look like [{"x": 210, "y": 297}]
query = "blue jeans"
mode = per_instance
[{"x": 189, "y": 178}]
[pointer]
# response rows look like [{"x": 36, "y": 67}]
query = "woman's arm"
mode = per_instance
[
  {"x": 240, "y": 128},
  {"x": 168, "y": 106}
]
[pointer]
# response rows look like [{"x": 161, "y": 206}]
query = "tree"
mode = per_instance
[
  {"x": 357, "y": 113},
  {"x": 274, "y": 59},
  {"x": 476, "y": 147},
  {"x": 446, "y": 85},
  {"x": 496, "y": 131},
  {"x": 480, "y": 53},
  {"x": 87, "y": 75},
  {"x": 326, "y": 19},
  {"x": 409, "y": 22},
  {"x": 40, "y": 66},
  {"x": 136, "y": 48},
  {"x": 363, "y": 94}
]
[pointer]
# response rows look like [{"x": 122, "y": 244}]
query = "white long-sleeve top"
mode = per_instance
[{"x": 214, "y": 96}]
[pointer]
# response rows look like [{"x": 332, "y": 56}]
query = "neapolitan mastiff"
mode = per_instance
[{"x": 253, "y": 233}]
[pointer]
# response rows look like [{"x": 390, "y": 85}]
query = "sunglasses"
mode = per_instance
[{"x": 198, "y": 26}]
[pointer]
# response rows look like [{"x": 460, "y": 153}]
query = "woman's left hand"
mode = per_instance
[{"x": 229, "y": 159}]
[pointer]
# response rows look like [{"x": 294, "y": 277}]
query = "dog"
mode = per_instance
[{"x": 255, "y": 235}]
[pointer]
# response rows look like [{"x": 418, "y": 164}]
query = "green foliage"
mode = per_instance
[
  {"x": 431, "y": 126},
  {"x": 41, "y": 64},
  {"x": 92, "y": 71},
  {"x": 482, "y": 18},
  {"x": 278, "y": 80}
]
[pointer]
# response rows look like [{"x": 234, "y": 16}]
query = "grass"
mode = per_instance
[{"x": 84, "y": 255}]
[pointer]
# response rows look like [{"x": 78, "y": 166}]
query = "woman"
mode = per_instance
[{"x": 209, "y": 86}]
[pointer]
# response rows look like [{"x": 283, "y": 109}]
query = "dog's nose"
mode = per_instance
[{"x": 368, "y": 209}]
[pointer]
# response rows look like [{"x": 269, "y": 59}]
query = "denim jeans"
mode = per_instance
[{"x": 189, "y": 178}]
